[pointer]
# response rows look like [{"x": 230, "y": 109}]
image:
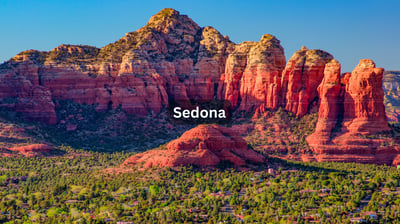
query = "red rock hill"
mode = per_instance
[{"x": 205, "y": 145}]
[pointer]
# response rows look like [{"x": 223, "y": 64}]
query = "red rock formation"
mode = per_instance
[
  {"x": 364, "y": 111},
  {"x": 137, "y": 95},
  {"x": 174, "y": 58},
  {"x": 301, "y": 77},
  {"x": 20, "y": 91},
  {"x": 252, "y": 75},
  {"x": 36, "y": 104},
  {"x": 32, "y": 150},
  {"x": 396, "y": 161},
  {"x": 260, "y": 83},
  {"x": 169, "y": 58},
  {"x": 379, "y": 158},
  {"x": 330, "y": 103},
  {"x": 205, "y": 145},
  {"x": 229, "y": 85},
  {"x": 345, "y": 79},
  {"x": 363, "y": 119}
]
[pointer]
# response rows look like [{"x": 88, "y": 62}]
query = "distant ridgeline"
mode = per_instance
[{"x": 391, "y": 87}]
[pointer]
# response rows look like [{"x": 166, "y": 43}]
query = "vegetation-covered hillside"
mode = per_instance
[{"x": 82, "y": 187}]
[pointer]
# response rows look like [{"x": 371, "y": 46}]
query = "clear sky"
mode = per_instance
[{"x": 349, "y": 30}]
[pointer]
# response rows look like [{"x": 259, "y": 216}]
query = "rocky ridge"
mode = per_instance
[{"x": 169, "y": 58}]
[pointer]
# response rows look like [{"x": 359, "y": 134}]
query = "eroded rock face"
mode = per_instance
[
  {"x": 205, "y": 145},
  {"x": 23, "y": 93},
  {"x": 301, "y": 77},
  {"x": 252, "y": 78},
  {"x": 330, "y": 104},
  {"x": 363, "y": 121},
  {"x": 364, "y": 111},
  {"x": 229, "y": 85},
  {"x": 171, "y": 58},
  {"x": 260, "y": 83}
]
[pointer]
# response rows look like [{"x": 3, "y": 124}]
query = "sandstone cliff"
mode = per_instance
[
  {"x": 300, "y": 79},
  {"x": 352, "y": 125},
  {"x": 170, "y": 58},
  {"x": 260, "y": 83},
  {"x": 331, "y": 104}
]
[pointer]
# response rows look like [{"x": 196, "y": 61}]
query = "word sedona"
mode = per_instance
[{"x": 199, "y": 112}]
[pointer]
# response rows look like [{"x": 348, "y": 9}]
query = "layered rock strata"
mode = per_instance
[
  {"x": 352, "y": 124},
  {"x": 171, "y": 58},
  {"x": 300, "y": 79}
]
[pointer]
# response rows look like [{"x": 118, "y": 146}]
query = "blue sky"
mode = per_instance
[{"x": 349, "y": 30}]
